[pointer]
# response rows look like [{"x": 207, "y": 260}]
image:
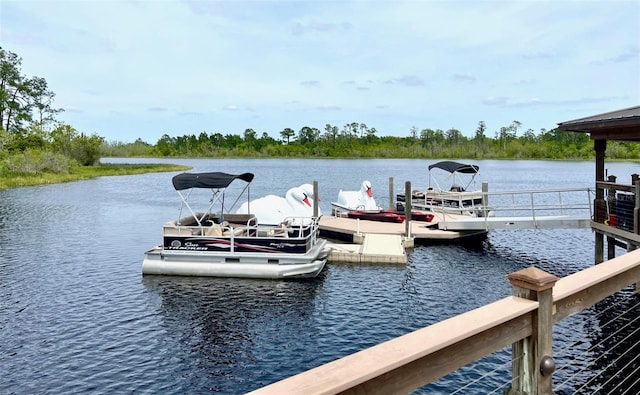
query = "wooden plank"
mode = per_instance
[
  {"x": 408, "y": 362},
  {"x": 615, "y": 232},
  {"x": 421, "y": 372},
  {"x": 612, "y": 185}
]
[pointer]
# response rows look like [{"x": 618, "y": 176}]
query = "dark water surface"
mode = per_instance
[{"x": 77, "y": 316}]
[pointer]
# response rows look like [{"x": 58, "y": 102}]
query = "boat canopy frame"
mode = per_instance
[
  {"x": 454, "y": 169},
  {"x": 217, "y": 182}
]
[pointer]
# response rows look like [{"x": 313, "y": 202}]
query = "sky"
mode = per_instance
[{"x": 141, "y": 69}]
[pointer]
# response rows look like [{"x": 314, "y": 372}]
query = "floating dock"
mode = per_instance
[
  {"x": 350, "y": 230},
  {"x": 375, "y": 249},
  {"x": 375, "y": 242}
]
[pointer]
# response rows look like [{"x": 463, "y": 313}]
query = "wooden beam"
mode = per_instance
[
  {"x": 613, "y": 185},
  {"x": 626, "y": 134},
  {"x": 615, "y": 232}
]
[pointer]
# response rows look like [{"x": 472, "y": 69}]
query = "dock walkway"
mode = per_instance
[
  {"x": 540, "y": 222},
  {"x": 349, "y": 229}
]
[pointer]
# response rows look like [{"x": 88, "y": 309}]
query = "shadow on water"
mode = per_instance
[{"x": 226, "y": 329}]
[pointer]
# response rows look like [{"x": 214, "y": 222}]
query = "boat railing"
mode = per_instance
[
  {"x": 300, "y": 226},
  {"x": 436, "y": 198},
  {"x": 448, "y": 203},
  {"x": 241, "y": 225}
]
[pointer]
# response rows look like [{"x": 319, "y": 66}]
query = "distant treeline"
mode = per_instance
[
  {"x": 33, "y": 141},
  {"x": 357, "y": 140}
]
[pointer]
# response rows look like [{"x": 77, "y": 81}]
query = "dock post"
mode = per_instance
[
  {"x": 532, "y": 357},
  {"x": 315, "y": 199},
  {"x": 636, "y": 209},
  {"x": 485, "y": 199},
  {"x": 407, "y": 240},
  {"x": 392, "y": 202},
  {"x": 407, "y": 209},
  {"x": 636, "y": 217},
  {"x": 599, "y": 205},
  {"x": 611, "y": 211}
]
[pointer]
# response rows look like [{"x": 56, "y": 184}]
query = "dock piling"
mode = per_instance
[
  {"x": 407, "y": 209},
  {"x": 485, "y": 199},
  {"x": 315, "y": 199},
  {"x": 392, "y": 202}
]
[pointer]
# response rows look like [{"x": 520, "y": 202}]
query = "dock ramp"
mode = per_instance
[
  {"x": 531, "y": 209},
  {"x": 489, "y": 223}
]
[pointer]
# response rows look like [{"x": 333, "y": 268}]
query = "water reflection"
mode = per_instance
[{"x": 229, "y": 329}]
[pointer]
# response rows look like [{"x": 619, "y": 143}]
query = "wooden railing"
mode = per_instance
[{"x": 524, "y": 320}]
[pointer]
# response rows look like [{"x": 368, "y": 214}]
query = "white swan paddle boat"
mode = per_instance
[
  {"x": 361, "y": 199},
  {"x": 362, "y": 205},
  {"x": 296, "y": 207},
  {"x": 217, "y": 242}
]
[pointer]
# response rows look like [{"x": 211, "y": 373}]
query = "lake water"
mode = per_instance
[{"x": 77, "y": 316}]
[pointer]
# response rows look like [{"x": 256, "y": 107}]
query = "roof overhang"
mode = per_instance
[{"x": 620, "y": 125}]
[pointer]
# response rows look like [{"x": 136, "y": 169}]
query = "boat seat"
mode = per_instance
[
  {"x": 236, "y": 230},
  {"x": 282, "y": 231},
  {"x": 216, "y": 229}
]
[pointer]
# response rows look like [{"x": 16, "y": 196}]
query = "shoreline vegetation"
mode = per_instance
[{"x": 85, "y": 173}]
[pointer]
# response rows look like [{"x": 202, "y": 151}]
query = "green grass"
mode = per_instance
[{"x": 85, "y": 173}]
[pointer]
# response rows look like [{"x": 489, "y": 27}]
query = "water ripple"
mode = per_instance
[{"x": 76, "y": 316}]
